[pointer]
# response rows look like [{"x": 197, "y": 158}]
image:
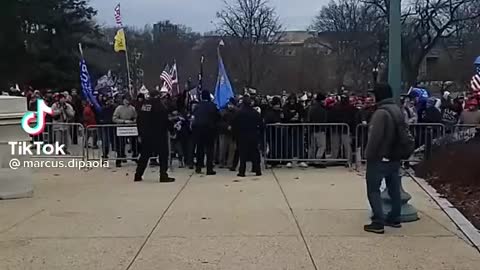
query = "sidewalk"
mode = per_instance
[{"x": 288, "y": 219}]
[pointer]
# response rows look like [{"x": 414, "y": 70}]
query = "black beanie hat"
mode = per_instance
[
  {"x": 205, "y": 95},
  {"x": 382, "y": 92}
]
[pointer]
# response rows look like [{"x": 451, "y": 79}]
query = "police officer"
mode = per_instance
[
  {"x": 153, "y": 126},
  {"x": 248, "y": 127},
  {"x": 205, "y": 121}
]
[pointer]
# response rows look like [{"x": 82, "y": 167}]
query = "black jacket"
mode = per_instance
[
  {"x": 206, "y": 116},
  {"x": 344, "y": 114},
  {"x": 106, "y": 115},
  {"x": 293, "y": 113},
  {"x": 247, "y": 124},
  {"x": 226, "y": 119},
  {"x": 431, "y": 115},
  {"x": 317, "y": 114},
  {"x": 152, "y": 121},
  {"x": 273, "y": 115}
]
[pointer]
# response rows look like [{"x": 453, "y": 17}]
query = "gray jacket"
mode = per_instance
[{"x": 382, "y": 130}]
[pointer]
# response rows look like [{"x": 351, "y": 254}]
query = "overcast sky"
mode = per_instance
[{"x": 198, "y": 14}]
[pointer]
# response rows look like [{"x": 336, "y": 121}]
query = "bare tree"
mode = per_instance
[
  {"x": 255, "y": 24},
  {"x": 425, "y": 23},
  {"x": 354, "y": 33}
]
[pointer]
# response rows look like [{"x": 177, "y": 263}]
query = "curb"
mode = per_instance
[{"x": 465, "y": 226}]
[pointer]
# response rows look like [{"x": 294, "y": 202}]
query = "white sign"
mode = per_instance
[{"x": 127, "y": 131}]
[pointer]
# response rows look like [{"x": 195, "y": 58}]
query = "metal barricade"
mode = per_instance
[
  {"x": 102, "y": 140},
  {"x": 426, "y": 135},
  {"x": 361, "y": 138},
  {"x": 308, "y": 142},
  {"x": 71, "y": 135},
  {"x": 464, "y": 133}
]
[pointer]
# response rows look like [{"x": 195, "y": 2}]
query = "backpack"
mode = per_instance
[{"x": 403, "y": 145}]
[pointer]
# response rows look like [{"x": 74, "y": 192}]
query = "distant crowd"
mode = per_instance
[{"x": 418, "y": 106}]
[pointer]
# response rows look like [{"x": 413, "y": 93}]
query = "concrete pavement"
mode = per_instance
[{"x": 286, "y": 219}]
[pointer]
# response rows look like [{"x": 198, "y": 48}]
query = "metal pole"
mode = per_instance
[
  {"x": 128, "y": 72},
  {"x": 395, "y": 49}
]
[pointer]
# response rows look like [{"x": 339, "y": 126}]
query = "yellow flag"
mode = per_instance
[{"x": 120, "y": 43}]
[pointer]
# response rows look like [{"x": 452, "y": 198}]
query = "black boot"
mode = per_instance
[
  {"x": 374, "y": 228},
  {"x": 137, "y": 178},
  {"x": 166, "y": 179},
  {"x": 211, "y": 172}
]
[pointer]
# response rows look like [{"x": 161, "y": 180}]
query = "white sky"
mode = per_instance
[{"x": 198, "y": 14}]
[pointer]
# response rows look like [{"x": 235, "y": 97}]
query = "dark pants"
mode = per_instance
[
  {"x": 248, "y": 150},
  {"x": 376, "y": 172},
  {"x": 205, "y": 141},
  {"x": 122, "y": 141},
  {"x": 107, "y": 137},
  {"x": 150, "y": 148},
  {"x": 183, "y": 146}
]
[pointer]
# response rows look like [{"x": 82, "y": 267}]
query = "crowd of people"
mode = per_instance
[
  {"x": 204, "y": 130},
  {"x": 237, "y": 133}
]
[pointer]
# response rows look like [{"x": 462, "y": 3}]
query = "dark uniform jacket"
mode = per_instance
[
  {"x": 152, "y": 122},
  {"x": 247, "y": 124},
  {"x": 206, "y": 116}
]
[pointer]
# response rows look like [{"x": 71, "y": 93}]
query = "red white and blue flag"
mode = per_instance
[
  {"x": 475, "y": 82},
  {"x": 170, "y": 79},
  {"x": 118, "y": 16}
]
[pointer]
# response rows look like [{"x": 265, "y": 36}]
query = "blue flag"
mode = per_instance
[
  {"x": 223, "y": 89},
  {"x": 87, "y": 86}
]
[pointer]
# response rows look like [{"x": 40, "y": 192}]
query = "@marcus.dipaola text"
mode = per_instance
[{"x": 73, "y": 164}]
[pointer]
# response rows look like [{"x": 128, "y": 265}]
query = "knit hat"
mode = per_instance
[{"x": 382, "y": 92}]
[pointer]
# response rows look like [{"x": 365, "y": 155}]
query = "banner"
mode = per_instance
[
  {"x": 87, "y": 86},
  {"x": 120, "y": 43},
  {"x": 223, "y": 89}
]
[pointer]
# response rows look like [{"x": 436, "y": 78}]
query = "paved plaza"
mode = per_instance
[{"x": 286, "y": 219}]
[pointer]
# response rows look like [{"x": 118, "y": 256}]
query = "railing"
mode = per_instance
[
  {"x": 69, "y": 134},
  {"x": 305, "y": 142},
  {"x": 102, "y": 140},
  {"x": 302, "y": 142},
  {"x": 466, "y": 132},
  {"x": 425, "y": 135}
]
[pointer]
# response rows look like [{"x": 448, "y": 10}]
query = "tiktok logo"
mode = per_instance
[{"x": 39, "y": 116}]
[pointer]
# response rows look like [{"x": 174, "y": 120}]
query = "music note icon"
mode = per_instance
[{"x": 39, "y": 116}]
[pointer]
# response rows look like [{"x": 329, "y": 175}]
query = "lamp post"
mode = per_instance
[
  {"x": 395, "y": 48},
  {"x": 375, "y": 75},
  {"x": 408, "y": 213}
]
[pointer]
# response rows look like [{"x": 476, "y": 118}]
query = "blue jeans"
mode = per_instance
[{"x": 376, "y": 172}]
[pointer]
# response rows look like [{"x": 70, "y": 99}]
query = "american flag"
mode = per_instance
[
  {"x": 170, "y": 78},
  {"x": 475, "y": 82},
  {"x": 167, "y": 78},
  {"x": 118, "y": 16}
]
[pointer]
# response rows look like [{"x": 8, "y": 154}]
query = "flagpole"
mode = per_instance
[
  {"x": 128, "y": 69},
  {"x": 80, "y": 49},
  {"x": 178, "y": 80}
]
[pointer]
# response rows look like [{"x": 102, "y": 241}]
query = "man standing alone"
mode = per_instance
[
  {"x": 153, "y": 126},
  {"x": 381, "y": 161}
]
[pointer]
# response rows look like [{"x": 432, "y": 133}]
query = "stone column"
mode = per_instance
[{"x": 14, "y": 184}]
